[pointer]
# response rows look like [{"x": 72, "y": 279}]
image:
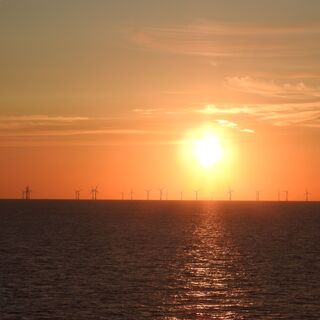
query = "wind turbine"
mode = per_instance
[
  {"x": 26, "y": 193},
  {"x": 94, "y": 192},
  {"x": 287, "y": 194},
  {"x": 181, "y": 195},
  {"x": 160, "y": 192},
  {"x": 122, "y": 195},
  {"x": 131, "y": 194},
  {"x": 307, "y": 193},
  {"x": 230, "y": 192},
  {"x": 77, "y": 193},
  {"x": 258, "y": 195},
  {"x": 148, "y": 193},
  {"x": 196, "y": 192}
]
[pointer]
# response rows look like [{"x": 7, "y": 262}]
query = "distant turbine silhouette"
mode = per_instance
[
  {"x": 26, "y": 193},
  {"x": 307, "y": 193},
  {"x": 196, "y": 193},
  {"x": 160, "y": 193},
  {"x": 131, "y": 194},
  {"x": 258, "y": 195},
  {"x": 94, "y": 192},
  {"x": 77, "y": 194},
  {"x": 148, "y": 193},
  {"x": 230, "y": 192},
  {"x": 122, "y": 195},
  {"x": 287, "y": 194},
  {"x": 181, "y": 195}
]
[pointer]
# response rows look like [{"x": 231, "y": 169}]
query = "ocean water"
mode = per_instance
[{"x": 159, "y": 260}]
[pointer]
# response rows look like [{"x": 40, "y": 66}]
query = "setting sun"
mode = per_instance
[
  {"x": 203, "y": 150},
  {"x": 207, "y": 150}
]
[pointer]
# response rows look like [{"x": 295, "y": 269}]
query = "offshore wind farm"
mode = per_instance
[{"x": 159, "y": 160}]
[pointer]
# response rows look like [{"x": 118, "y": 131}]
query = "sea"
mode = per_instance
[{"x": 174, "y": 260}]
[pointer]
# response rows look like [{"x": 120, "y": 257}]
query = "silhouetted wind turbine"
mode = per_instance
[
  {"x": 131, "y": 194},
  {"x": 94, "y": 192},
  {"x": 230, "y": 192},
  {"x": 196, "y": 193},
  {"x": 160, "y": 193},
  {"x": 77, "y": 193},
  {"x": 148, "y": 193},
  {"x": 287, "y": 194},
  {"x": 122, "y": 195},
  {"x": 181, "y": 194},
  {"x": 307, "y": 193},
  {"x": 26, "y": 193},
  {"x": 258, "y": 195}
]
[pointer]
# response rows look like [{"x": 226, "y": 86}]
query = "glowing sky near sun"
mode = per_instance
[{"x": 116, "y": 93}]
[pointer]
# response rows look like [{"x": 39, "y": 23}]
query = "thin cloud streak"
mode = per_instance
[{"x": 232, "y": 40}]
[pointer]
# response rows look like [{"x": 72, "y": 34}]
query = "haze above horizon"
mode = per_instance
[{"x": 193, "y": 94}]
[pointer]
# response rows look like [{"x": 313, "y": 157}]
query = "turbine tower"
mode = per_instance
[
  {"x": 122, "y": 195},
  {"x": 287, "y": 194},
  {"x": 196, "y": 193},
  {"x": 148, "y": 193},
  {"x": 26, "y": 193},
  {"x": 77, "y": 194},
  {"x": 307, "y": 193},
  {"x": 258, "y": 195},
  {"x": 94, "y": 192},
  {"x": 131, "y": 194},
  {"x": 230, "y": 192},
  {"x": 160, "y": 193},
  {"x": 181, "y": 195}
]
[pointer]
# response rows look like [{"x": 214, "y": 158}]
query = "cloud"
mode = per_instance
[
  {"x": 287, "y": 91},
  {"x": 214, "y": 39},
  {"x": 211, "y": 109},
  {"x": 148, "y": 111},
  {"x": 35, "y": 118},
  {"x": 49, "y": 126},
  {"x": 82, "y": 132},
  {"x": 247, "y": 130},
  {"x": 227, "y": 123}
]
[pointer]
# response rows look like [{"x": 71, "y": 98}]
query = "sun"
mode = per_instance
[
  {"x": 207, "y": 150},
  {"x": 202, "y": 148}
]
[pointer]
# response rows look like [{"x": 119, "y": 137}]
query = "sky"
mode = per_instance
[{"x": 115, "y": 93}]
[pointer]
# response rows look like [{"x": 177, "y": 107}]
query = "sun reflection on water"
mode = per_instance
[{"x": 209, "y": 273}]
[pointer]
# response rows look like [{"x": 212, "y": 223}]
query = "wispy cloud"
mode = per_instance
[
  {"x": 57, "y": 126},
  {"x": 35, "y": 118},
  {"x": 227, "y": 123},
  {"x": 212, "y": 109},
  {"x": 232, "y": 39},
  {"x": 287, "y": 91},
  {"x": 247, "y": 130}
]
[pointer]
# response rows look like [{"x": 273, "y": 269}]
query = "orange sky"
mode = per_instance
[{"x": 112, "y": 94}]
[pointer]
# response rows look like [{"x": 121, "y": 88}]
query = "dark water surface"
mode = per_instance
[{"x": 159, "y": 260}]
